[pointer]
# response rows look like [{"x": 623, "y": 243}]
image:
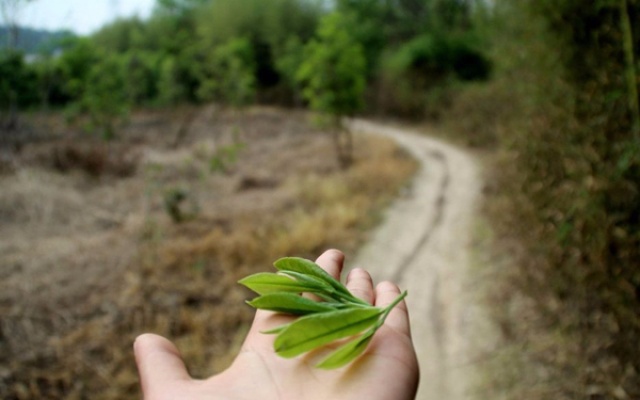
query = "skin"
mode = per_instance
[{"x": 388, "y": 370}]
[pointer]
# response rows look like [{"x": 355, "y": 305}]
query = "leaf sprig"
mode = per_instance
[{"x": 339, "y": 315}]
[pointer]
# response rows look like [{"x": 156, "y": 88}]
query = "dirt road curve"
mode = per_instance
[{"x": 423, "y": 245}]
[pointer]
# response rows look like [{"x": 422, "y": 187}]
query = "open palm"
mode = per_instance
[{"x": 387, "y": 370}]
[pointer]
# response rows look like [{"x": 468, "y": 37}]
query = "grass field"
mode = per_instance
[{"x": 100, "y": 242}]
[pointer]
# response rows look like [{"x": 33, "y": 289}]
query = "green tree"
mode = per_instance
[
  {"x": 333, "y": 77},
  {"x": 122, "y": 35},
  {"x": 229, "y": 76},
  {"x": 141, "y": 75},
  {"x": 171, "y": 34},
  {"x": 105, "y": 99},
  {"x": 416, "y": 51},
  {"x": 18, "y": 87},
  {"x": 78, "y": 57},
  {"x": 267, "y": 25},
  {"x": 291, "y": 57},
  {"x": 170, "y": 90},
  {"x": 46, "y": 80},
  {"x": 177, "y": 7},
  {"x": 371, "y": 30}
]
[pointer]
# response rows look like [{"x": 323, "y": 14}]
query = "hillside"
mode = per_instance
[{"x": 33, "y": 40}]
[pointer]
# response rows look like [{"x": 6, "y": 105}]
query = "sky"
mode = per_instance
[{"x": 81, "y": 16}]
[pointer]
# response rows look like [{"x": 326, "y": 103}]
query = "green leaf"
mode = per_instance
[
  {"x": 307, "y": 267},
  {"x": 315, "y": 330},
  {"x": 266, "y": 282},
  {"x": 341, "y": 316},
  {"x": 289, "y": 303},
  {"x": 302, "y": 266},
  {"x": 348, "y": 352},
  {"x": 320, "y": 287},
  {"x": 276, "y": 330},
  {"x": 309, "y": 280}
]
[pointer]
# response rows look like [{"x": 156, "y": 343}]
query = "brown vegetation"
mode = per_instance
[
  {"x": 90, "y": 263},
  {"x": 563, "y": 202}
]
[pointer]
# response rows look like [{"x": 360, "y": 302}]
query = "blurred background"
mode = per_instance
[{"x": 154, "y": 152}]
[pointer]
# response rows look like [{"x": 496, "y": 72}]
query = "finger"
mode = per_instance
[
  {"x": 159, "y": 363},
  {"x": 332, "y": 261},
  {"x": 398, "y": 319},
  {"x": 359, "y": 283}
]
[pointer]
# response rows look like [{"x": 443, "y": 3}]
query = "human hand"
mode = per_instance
[{"x": 388, "y": 370}]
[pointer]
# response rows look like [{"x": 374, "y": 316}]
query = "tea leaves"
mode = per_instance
[{"x": 339, "y": 315}]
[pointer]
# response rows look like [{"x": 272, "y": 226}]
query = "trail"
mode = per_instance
[{"x": 424, "y": 246}]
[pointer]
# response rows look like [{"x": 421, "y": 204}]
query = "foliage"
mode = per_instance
[
  {"x": 17, "y": 81},
  {"x": 171, "y": 35},
  {"x": 169, "y": 88},
  {"x": 333, "y": 70},
  {"x": 333, "y": 77},
  {"x": 74, "y": 65},
  {"x": 340, "y": 315},
  {"x": 421, "y": 72},
  {"x": 141, "y": 76},
  {"x": 229, "y": 75},
  {"x": 417, "y": 51},
  {"x": 177, "y": 7},
  {"x": 568, "y": 183},
  {"x": 369, "y": 30},
  {"x": 18, "y": 89},
  {"x": 173, "y": 54},
  {"x": 432, "y": 57},
  {"x": 603, "y": 227},
  {"x": 121, "y": 35},
  {"x": 104, "y": 97},
  {"x": 291, "y": 57},
  {"x": 269, "y": 28}
]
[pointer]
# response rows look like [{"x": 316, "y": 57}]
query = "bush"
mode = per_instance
[
  {"x": 96, "y": 159},
  {"x": 418, "y": 78},
  {"x": 229, "y": 76},
  {"x": 572, "y": 177},
  {"x": 18, "y": 85},
  {"x": 104, "y": 98}
]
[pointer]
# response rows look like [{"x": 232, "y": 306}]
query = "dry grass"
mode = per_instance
[
  {"x": 540, "y": 354},
  {"x": 90, "y": 263},
  {"x": 535, "y": 356}
]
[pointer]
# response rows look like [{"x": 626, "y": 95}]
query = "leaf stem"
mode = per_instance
[
  {"x": 352, "y": 299},
  {"x": 390, "y": 307}
]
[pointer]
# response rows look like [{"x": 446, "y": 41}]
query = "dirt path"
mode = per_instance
[{"x": 424, "y": 245}]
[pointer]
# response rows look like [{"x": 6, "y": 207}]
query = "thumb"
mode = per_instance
[{"x": 159, "y": 363}]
